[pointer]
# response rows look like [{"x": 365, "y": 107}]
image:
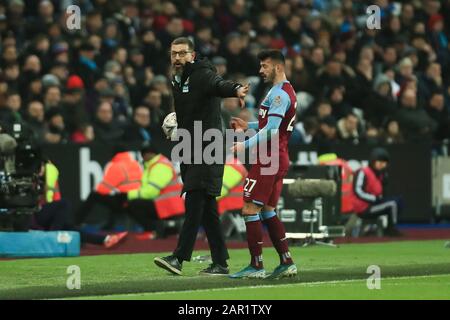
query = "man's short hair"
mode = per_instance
[
  {"x": 184, "y": 40},
  {"x": 274, "y": 55}
]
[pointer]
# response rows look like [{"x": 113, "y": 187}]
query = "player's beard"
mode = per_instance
[{"x": 270, "y": 77}]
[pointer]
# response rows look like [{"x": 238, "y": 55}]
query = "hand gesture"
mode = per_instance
[
  {"x": 241, "y": 93},
  {"x": 238, "y": 124}
]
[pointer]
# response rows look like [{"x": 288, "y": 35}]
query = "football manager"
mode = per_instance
[{"x": 197, "y": 90}]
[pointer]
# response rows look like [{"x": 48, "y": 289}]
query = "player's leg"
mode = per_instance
[
  {"x": 257, "y": 189},
  {"x": 277, "y": 233},
  {"x": 255, "y": 269}
]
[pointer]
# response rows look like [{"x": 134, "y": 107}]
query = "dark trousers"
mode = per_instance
[
  {"x": 388, "y": 207},
  {"x": 144, "y": 213},
  {"x": 114, "y": 205},
  {"x": 201, "y": 210},
  {"x": 56, "y": 216}
]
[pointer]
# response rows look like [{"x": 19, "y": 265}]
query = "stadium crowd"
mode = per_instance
[{"x": 110, "y": 79}]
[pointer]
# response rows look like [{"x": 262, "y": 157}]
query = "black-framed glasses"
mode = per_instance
[{"x": 182, "y": 54}]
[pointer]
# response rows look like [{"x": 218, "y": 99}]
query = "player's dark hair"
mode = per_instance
[
  {"x": 274, "y": 55},
  {"x": 184, "y": 40}
]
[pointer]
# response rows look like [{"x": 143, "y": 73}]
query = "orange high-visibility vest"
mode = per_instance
[
  {"x": 122, "y": 174},
  {"x": 169, "y": 202},
  {"x": 347, "y": 204},
  {"x": 233, "y": 200}
]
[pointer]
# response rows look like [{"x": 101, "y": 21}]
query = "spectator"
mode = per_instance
[
  {"x": 161, "y": 84},
  {"x": 372, "y": 136},
  {"x": 304, "y": 131},
  {"x": 238, "y": 59},
  {"x": 299, "y": 76},
  {"x": 56, "y": 132},
  {"x": 320, "y": 110},
  {"x": 431, "y": 81},
  {"x": 52, "y": 97},
  {"x": 335, "y": 94},
  {"x": 314, "y": 63},
  {"x": 60, "y": 70},
  {"x": 327, "y": 135},
  {"x": 153, "y": 51},
  {"x": 414, "y": 122},
  {"x": 221, "y": 65},
  {"x": 234, "y": 13},
  {"x": 35, "y": 120},
  {"x": 331, "y": 75},
  {"x": 154, "y": 102},
  {"x": 7, "y": 117},
  {"x": 206, "y": 45},
  {"x": 106, "y": 129},
  {"x": 139, "y": 130},
  {"x": 425, "y": 52},
  {"x": 173, "y": 30},
  {"x": 292, "y": 30},
  {"x": 205, "y": 15},
  {"x": 86, "y": 67},
  {"x": 9, "y": 55},
  {"x": 14, "y": 103},
  {"x": 83, "y": 134},
  {"x": 390, "y": 57},
  {"x": 45, "y": 17},
  {"x": 72, "y": 104},
  {"x": 379, "y": 103},
  {"x": 405, "y": 71},
  {"x": 349, "y": 130},
  {"x": 437, "y": 110},
  {"x": 391, "y": 132},
  {"x": 60, "y": 52},
  {"x": 363, "y": 81},
  {"x": 94, "y": 22},
  {"x": 438, "y": 38},
  {"x": 12, "y": 73}
]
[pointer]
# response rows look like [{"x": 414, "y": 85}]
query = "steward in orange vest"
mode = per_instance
[
  {"x": 331, "y": 159},
  {"x": 231, "y": 198},
  {"x": 122, "y": 174}
]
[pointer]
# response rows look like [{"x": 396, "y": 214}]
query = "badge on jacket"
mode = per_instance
[{"x": 185, "y": 88}]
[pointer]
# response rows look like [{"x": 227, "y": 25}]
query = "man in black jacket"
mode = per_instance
[{"x": 197, "y": 90}]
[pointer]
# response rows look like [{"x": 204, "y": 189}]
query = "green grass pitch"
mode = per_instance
[{"x": 409, "y": 270}]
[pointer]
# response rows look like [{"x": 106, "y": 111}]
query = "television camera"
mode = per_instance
[{"x": 20, "y": 182}]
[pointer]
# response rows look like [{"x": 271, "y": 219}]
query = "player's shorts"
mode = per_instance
[{"x": 263, "y": 189}]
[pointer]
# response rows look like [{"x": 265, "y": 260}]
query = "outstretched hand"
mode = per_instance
[{"x": 241, "y": 93}]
